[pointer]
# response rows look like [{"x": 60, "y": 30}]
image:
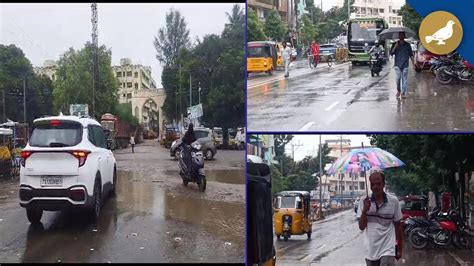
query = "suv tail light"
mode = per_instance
[
  {"x": 81, "y": 155},
  {"x": 24, "y": 155}
]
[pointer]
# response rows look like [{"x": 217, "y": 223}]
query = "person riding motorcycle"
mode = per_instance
[
  {"x": 188, "y": 138},
  {"x": 377, "y": 48}
]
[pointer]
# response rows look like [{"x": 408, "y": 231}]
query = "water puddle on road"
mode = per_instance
[
  {"x": 226, "y": 220},
  {"x": 221, "y": 176}
]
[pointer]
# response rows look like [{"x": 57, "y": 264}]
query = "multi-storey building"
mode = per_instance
[
  {"x": 49, "y": 69},
  {"x": 388, "y": 9},
  {"x": 137, "y": 87}
]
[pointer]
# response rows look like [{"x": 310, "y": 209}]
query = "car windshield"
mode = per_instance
[
  {"x": 201, "y": 134},
  {"x": 287, "y": 202},
  {"x": 327, "y": 46},
  {"x": 63, "y": 135},
  {"x": 411, "y": 205},
  {"x": 108, "y": 125},
  {"x": 258, "y": 51}
]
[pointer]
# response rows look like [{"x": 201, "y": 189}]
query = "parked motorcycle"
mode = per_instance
[
  {"x": 376, "y": 60},
  {"x": 454, "y": 67},
  {"x": 191, "y": 164},
  {"x": 440, "y": 229}
]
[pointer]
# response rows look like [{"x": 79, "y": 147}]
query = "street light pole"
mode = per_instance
[
  {"x": 320, "y": 178},
  {"x": 190, "y": 92},
  {"x": 3, "y": 99},
  {"x": 199, "y": 92},
  {"x": 24, "y": 100}
]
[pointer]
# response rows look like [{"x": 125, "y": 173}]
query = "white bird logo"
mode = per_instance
[{"x": 442, "y": 34}]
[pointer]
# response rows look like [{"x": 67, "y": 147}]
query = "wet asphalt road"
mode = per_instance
[
  {"x": 152, "y": 219},
  {"x": 337, "y": 240},
  {"x": 347, "y": 98}
]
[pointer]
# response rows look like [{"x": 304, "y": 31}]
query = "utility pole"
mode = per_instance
[
  {"x": 190, "y": 91},
  {"x": 94, "y": 55},
  {"x": 199, "y": 92},
  {"x": 293, "y": 148},
  {"x": 348, "y": 10},
  {"x": 24, "y": 100},
  {"x": 320, "y": 178},
  {"x": 3, "y": 99}
]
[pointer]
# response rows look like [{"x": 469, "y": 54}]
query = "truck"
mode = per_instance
[{"x": 118, "y": 131}]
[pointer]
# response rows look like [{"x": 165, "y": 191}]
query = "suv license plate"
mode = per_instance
[{"x": 51, "y": 181}]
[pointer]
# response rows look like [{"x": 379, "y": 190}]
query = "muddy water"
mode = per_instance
[
  {"x": 143, "y": 223},
  {"x": 221, "y": 176},
  {"x": 222, "y": 219}
]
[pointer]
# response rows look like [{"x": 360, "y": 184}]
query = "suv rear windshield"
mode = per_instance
[{"x": 63, "y": 134}]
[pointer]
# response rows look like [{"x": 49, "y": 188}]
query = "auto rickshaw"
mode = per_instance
[
  {"x": 260, "y": 249},
  {"x": 6, "y": 135},
  {"x": 262, "y": 56},
  {"x": 292, "y": 214}
]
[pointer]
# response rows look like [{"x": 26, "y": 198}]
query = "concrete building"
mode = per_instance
[
  {"x": 49, "y": 69},
  {"x": 263, "y": 7},
  {"x": 136, "y": 86},
  {"x": 388, "y": 9},
  {"x": 262, "y": 146}
]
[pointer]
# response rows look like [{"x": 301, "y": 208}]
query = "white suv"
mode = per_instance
[{"x": 66, "y": 165}]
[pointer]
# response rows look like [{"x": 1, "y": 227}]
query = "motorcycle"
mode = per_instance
[
  {"x": 440, "y": 229},
  {"x": 191, "y": 164},
  {"x": 375, "y": 62},
  {"x": 454, "y": 67}
]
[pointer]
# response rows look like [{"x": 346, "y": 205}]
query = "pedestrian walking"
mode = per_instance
[
  {"x": 380, "y": 215},
  {"x": 286, "y": 59},
  {"x": 402, "y": 51},
  {"x": 132, "y": 143}
]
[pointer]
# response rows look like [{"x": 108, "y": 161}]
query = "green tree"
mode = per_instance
[
  {"x": 14, "y": 69},
  {"x": 74, "y": 80},
  {"x": 309, "y": 31},
  {"x": 431, "y": 161},
  {"x": 232, "y": 30},
  {"x": 279, "y": 183},
  {"x": 124, "y": 112},
  {"x": 255, "y": 27},
  {"x": 274, "y": 26},
  {"x": 411, "y": 18},
  {"x": 171, "y": 38}
]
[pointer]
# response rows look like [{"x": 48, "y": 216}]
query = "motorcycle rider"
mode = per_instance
[
  {"x": 377, "y": 48},
  {"x": 315, "y": 52},
  {"x": 188, "y": 139}
]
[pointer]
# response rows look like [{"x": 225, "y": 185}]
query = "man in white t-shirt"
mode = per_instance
[
  {"x": 380, "y": 215},
  {"x": 286, "y": 55}
]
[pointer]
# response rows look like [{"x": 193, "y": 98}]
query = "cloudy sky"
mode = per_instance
[
  {"x": 45, "y": 31},
  {"x": 310, "y": 143}
]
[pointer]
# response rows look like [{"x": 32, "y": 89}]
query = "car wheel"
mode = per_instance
[
  {"x": 97, "y": 201},
  {"x": 114, "y": 185},
  {"x": 34, "y": 215},
  {"x": 279, "y": 237},
  {"x": 309, "y": 235},
  {"x": 209, "y": 154},
  {"x": 185, "y": 182}
]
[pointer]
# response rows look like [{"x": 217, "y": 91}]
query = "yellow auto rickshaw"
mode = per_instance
[
  {"x": 6, "y": 135},
  {"x": 292, "y": 214},
  {"x": 262, "y": 56},
  {"x": 260, "y": 249}
]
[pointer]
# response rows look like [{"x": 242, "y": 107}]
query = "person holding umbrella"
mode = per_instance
[
  {"x": 402, "y": 51},
  {"x": 380, "y": 216}
]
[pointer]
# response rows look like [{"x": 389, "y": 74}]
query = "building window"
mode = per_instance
[
  {"x": 129, "y": 96},
  {"x": 129, "y": 84},
  {"x": 136, "y": 86},
  {"x": 119, "y": 74},
  {"x": 136, "y": 74},
  {"x": 362, "y": 185},
  {"x": 129, "y": 73},
  {"x": 136, "y": 111},
  {"x": 381, "y": 10}
]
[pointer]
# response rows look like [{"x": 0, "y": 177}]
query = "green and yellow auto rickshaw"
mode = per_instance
[
  {"x": 260, "y": 249},
  {"x": 292, "y": 214}
]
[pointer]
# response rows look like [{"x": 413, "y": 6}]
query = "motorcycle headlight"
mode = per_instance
[{"x": 196, "y": 146}]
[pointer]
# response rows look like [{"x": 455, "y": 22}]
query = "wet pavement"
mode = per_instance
[
  {"x": 337, "y": 240},
  {"x": 347, "y": 98},
  {"x": 153, "y": 218}
]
